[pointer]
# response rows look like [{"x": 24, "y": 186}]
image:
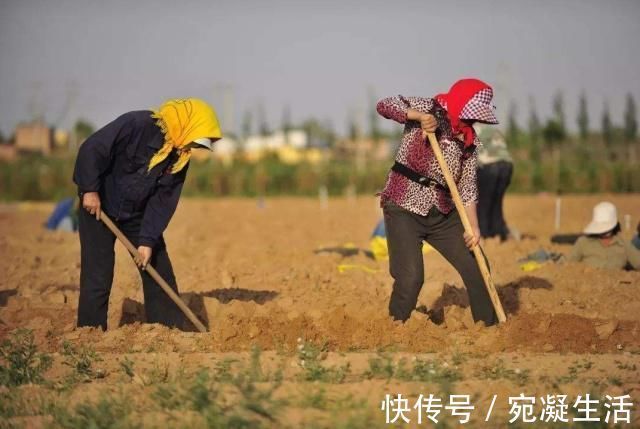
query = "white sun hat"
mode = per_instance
[{"x": 605, "y": 218}]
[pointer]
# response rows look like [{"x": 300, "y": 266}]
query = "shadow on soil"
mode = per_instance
[
  {"x": 509, "y": 296},
  {"x": 133, "y": 311},
  {"x": 5, "y": 295}
]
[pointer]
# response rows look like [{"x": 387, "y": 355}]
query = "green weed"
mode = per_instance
[
  {"x": 309, "y": 360},
  {"x": 315, "y": 399},
  {"x": 106, "y": 413},
  {"x": 498, "y": 371},
  {"x": 383, "y": 366},
  {"x": 577, "y": 368},
  {"x": 625, "y": 366},
  {"x": 20, "y": 361},
  {"x": 81, "y": 360},
  {"x": 250, "y": 404}
]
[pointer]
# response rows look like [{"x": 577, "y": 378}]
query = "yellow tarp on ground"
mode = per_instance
[
  {"x": 378, "y": 246},
  {"x": 531, "y": 266},
  {"x": 346, "y": 267}
]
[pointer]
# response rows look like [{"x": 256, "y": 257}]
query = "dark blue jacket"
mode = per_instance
[{"x": 114, "y": 162}]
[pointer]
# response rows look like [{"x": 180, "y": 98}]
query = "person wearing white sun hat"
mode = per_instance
[{"x": 602, "y": 246}]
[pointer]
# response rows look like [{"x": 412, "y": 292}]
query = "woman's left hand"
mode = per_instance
[
  {"x": 144, "y": 255},
  {"x": 472, "y": 241}
]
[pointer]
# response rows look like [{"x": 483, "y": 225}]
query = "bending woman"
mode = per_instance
[
  {"x": 133, "y": 169},
  {"x": 416, "y": 202}
]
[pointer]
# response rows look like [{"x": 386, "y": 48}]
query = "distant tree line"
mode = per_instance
[
  {"x": 553, "y": 135},
  {"x": 547, "y": 157}
]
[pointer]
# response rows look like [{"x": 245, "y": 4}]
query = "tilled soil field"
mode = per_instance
[{"x": 299, "y": 338}]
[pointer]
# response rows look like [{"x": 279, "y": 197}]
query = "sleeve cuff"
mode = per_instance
[
  {"x": 82, "y": 191},
  {"x": 146, "y": 241}
]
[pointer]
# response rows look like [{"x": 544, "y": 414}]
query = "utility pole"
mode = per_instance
[
  {"x": 34, "y": 105},
  {"x": 228, "y": 106}
]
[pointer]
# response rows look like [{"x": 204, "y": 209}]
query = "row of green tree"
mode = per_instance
[
  {"x": 547, "y": 133},
  {"x": 554, "y": 131},
  {"x": 40, "y": 178}
]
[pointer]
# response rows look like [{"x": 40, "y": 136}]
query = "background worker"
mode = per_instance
[
  {"x": 495, "y": 168},
  {"x": 603, "y": 246},
  {"x": 133, "y": 169}
]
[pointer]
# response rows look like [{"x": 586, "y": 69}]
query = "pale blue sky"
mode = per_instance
[{"x": 318, "y": 57}]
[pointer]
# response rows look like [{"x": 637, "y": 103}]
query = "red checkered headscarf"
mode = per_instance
[{"x": 468, "y": 99}]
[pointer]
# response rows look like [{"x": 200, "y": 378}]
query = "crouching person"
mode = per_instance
[
  {"x": 133, "y": 170},
  {"x": 603, "y": 246}
]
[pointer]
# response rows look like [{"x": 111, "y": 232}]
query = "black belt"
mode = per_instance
[{"x": 414, "y": 176}]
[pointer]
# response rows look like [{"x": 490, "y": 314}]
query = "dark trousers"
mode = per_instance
[
  {"x": 96, "y": 274},
  {"x": 493, "y": 181},
  {"x": 405, "y": 233}
]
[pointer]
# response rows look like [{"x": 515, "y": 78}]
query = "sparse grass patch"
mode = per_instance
[
  {"x": 458, "y": 358},
  {"x": 108, "y": 412},
  {"x": 20, "y": 361},
  {"x": 498, "y": 371},
  {"x": 356, "y": 418},
  {"x": 244, "y": 390},
  {"x": 383, "y": 366},
  {"x": 249, "y": 404},
  {"x": 127, "y": 366},
  {"x": 157, "y": 374},
  {"x": 309, "y": 360},
  {"x": 16, "y": 402},
  {"x": 429, "y": 371},
  {"x": 315, "y": 399},
  {"x": 577, "y": 368},
  {"x": 11, "y": 404},
  {"x": 433, "y": 371},
  {"x": 254, "y": 398},
  {"x": 616, "y": 381},
  {"x": 625, "y": 366},
  {"x": 222, "y": 370},
  {"x": 81, "y": 360}
]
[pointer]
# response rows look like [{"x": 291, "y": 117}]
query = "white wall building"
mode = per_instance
[
  {"x": 294, "y": 138},
  {"x": 225, "y": 147}
]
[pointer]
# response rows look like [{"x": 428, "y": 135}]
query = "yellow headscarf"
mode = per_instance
[{"x": 182, "y": 121}]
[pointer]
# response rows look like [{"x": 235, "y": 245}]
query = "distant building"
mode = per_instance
[
  {"x": 291, "y": 155},
  {"x": 223, "y": 150},
  {"x": 296, "y": 139},
  {"x": 8, "y": 152},
  {"x": 34, "y": 137},
  {"x": 364, "y": 150},
  {"x": 291, "y": 148}
]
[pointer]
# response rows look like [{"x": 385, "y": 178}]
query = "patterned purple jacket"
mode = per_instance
[{"x": 415, "y": 153}]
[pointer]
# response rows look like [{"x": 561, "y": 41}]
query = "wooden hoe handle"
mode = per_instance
[
  {"x": 477, "y": 251},
  {"x": 154, "y": 274}
]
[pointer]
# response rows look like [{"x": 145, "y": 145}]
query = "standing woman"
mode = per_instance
[
  {"x": 133, "y": 170},
  {"x": 416, "y": 202}
]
